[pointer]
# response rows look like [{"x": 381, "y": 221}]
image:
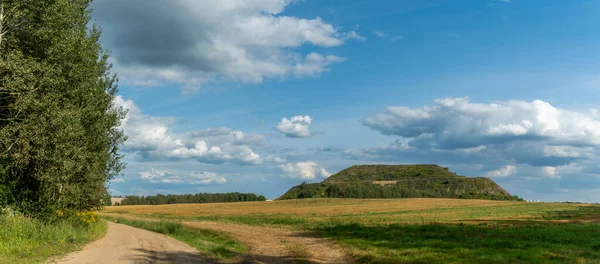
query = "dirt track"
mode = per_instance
[
  {"x": 277, "y": 245},
  {"x": 124, "y": 244}
]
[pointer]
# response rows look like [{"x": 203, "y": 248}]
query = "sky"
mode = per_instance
[{"x": 261, "y": 95}]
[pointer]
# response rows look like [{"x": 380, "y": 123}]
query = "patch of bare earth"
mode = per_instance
[
  {"x": 272, "y": 245},
  {"x": 125, "y": 244}
]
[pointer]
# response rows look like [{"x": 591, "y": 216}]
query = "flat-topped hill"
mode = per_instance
[
  {"x": 400, "y": 181},
  {"x": 389, "y": 173}
]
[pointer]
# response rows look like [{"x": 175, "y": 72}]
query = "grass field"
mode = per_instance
[
  {"x": 27, "y": 240},
  {"x": 420, "y": 230}
]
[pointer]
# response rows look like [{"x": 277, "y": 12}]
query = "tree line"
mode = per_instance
[
  {"x": 192, "y": 198},
  {"x": 58, "y": 126},
  {"x": 374, "y": 191}
]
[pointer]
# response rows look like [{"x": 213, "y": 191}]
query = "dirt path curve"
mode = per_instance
[
  {"x": 125, "y": 244},
  {"x": 273, "y": 245}
]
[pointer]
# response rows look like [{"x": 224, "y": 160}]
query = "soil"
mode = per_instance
[{"x": 125, "y": 244}]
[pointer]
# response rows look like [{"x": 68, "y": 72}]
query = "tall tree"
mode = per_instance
[{"x": 58, "y": 125}]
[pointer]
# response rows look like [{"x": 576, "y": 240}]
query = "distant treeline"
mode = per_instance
[
  {"x": 323, "y": 190},
  {"x": 192, "y": 198}
]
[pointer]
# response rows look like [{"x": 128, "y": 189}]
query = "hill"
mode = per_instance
[{"x": 400, "y": 181}]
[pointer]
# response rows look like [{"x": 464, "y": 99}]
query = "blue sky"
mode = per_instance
[{"x": 497, "y": 88}]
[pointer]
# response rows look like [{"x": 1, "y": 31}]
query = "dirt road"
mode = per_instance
[
  {"x": 124, "y": 244},
  {"x": 278, "y": 245}
]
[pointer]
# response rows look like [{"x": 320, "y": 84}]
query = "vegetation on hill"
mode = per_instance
[
  {"x": 360, "y": 173},
  {"x": 400, "y": 181},
  {"x": 192, "y": 198}
]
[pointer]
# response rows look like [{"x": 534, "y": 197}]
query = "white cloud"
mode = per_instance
[
  {"x": 223, "y": 135},
  {"x": 307, "y": 170},
  {"x": 473, "y": 149},
  {"x": 151, "y": 138},
  {"x": 297, "y": 126},
  {"x": 274, "y": 159},
  {"x": 156, "y": 176},
  {"x": 502, "y": 172},
  {"x": 202, "y": 178},
  {"x": 533, "y": 133},
  {"x": 549, "y": 171},
  {"x": 381, "y": 34},
  {"x": 117, "y": 180},
  {"x": 458, "y": 123},
  {"x": 206, "y": 178},
  {"x": 208, "y": 41}
]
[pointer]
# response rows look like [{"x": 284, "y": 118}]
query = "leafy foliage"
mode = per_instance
[
  {"x": 192, "y": 198},
  {"x": 402, "y": 181},
  {"x": 106, "y": 201},
  {"x": 58, "y": 127}
]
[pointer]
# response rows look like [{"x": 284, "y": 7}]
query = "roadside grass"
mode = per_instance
[
  {"x": 215, "y": 244},
  {"x": 427, "y": 230},
  {"x": 28, "y": 240}
]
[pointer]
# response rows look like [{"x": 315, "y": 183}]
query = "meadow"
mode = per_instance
[{"x": 417, "y": 230}]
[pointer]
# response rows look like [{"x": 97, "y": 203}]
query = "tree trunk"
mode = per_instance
[{"x": 1, "y": 23}]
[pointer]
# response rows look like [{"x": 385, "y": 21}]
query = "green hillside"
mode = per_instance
[
  {"x": 400, "y": 181},
  {"x": 389, "y": 172}
]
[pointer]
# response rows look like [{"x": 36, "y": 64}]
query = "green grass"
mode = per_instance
[
  {"x": 215, "y": 244},
  {"x": 27, "y": 240},
  {"x": 430, "y": 240},
  {"x": 513, "y": 233},
  {"x": 534, "y": 240},
  {"x": 440, "y": 243}
]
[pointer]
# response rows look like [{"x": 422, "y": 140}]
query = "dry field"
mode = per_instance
[
  {"x": 400, "y": 230},
  {"x": 364, "y": 211}
]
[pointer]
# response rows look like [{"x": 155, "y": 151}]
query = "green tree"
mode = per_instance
[
  {"x": 58, "y": 126},
  {"x": 106, "y": 199}
]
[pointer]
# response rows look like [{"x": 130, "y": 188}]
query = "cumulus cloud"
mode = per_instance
[
  {"x": 223, "y": 135},
  {"x": 503, "y": 172},
  {"x": 505, "y": 132},
  {"x": 456, "y": 122},
  {"x": 206, "y": 178},
  {"x": 157, "y": 176},
  {"x": 152, "y": 138},
  {"x": 549, "y": 171},
  {"x": 297, "y": 126},
  {"x": 381, "y": 34},
  {"x": 197, "y": 42},
  {"x": 307, "y": 170},
  {"x": 114, "y": 180}
]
